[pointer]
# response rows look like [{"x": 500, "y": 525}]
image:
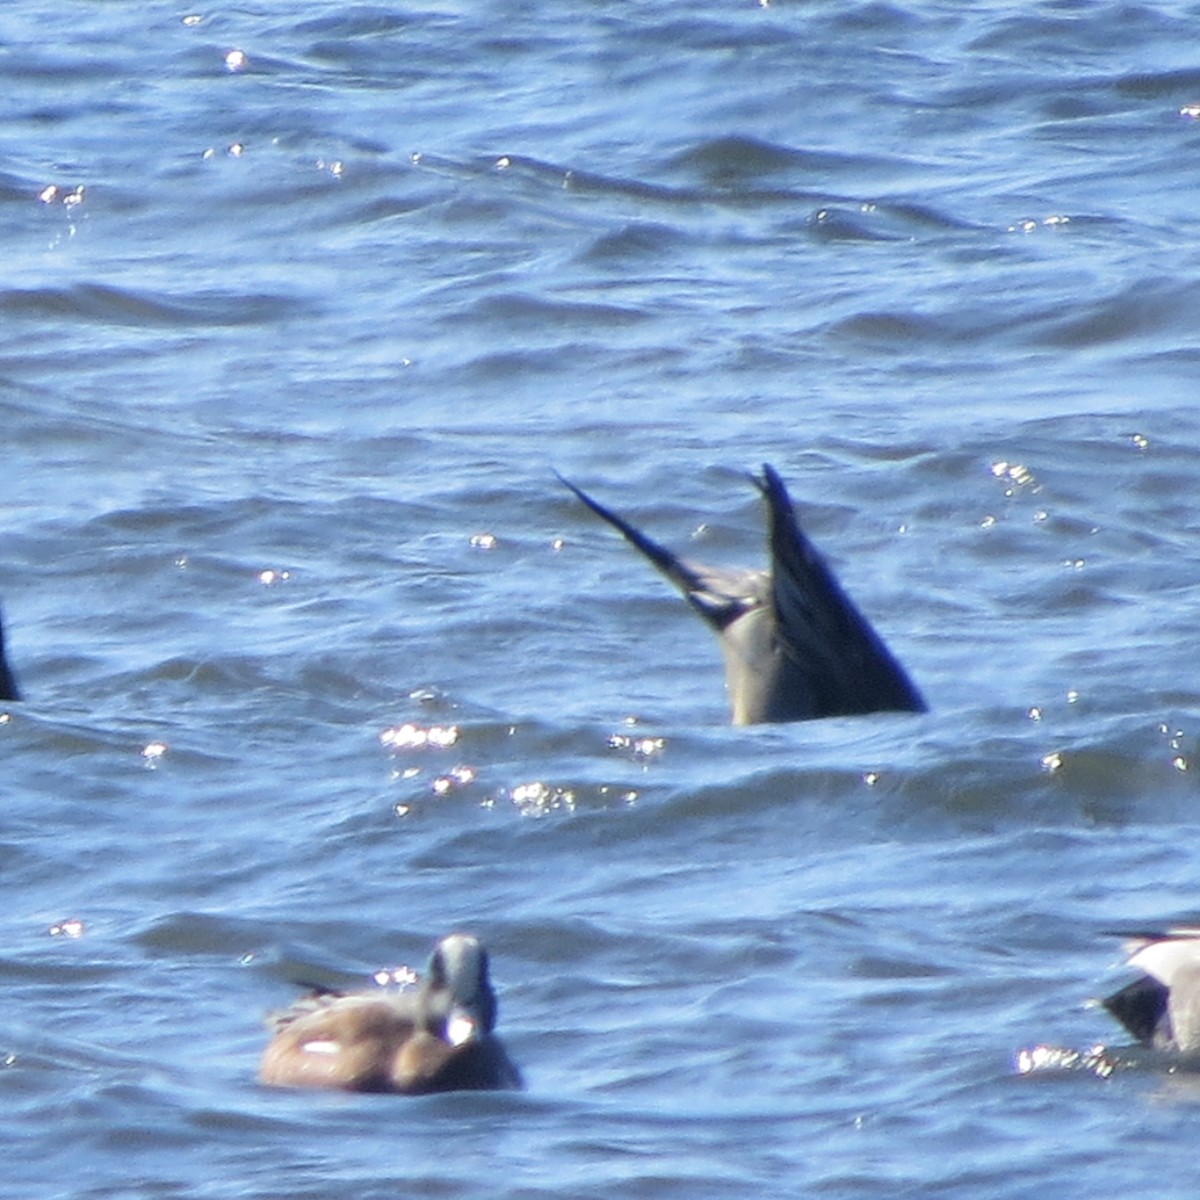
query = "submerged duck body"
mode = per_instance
[
  {"x": 796, "y": 647},
  {"x": 8, "y": 685},
  {"x": 1161, "y": 1007},
  {"x": 437, "y": 1037}
]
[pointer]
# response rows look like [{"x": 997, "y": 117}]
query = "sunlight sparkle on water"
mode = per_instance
[
  {"x": 1016, "y": 476},
  {"x": 1175, "y": 741},
  {"x": 639, "y": 747},
  {"x": 537, "y": 799},
  {"x": 152, "y": 752},
  {"x": 1058, "y": 1058},
  {"x": 1032, "y": 224},
  {"x": 415, "y": 737},
  {"x": 454, "y": 779},
  {"x": 235, "y": 150},
  {"x": 53, "y": 194}
]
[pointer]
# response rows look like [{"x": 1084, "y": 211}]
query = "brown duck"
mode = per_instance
[{"x": 437, "y": 1037}]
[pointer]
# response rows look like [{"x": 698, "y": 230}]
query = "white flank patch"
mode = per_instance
[{"x": 325, "y": 1047}]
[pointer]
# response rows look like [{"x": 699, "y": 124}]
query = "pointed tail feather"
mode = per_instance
[
  {"x": 695, "y": 582},
  {"x": 850, "y": 669}
]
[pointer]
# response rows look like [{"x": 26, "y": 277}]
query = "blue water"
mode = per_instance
[{"x": 301, "y": 306}]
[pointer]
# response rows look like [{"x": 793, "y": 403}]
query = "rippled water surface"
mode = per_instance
[{"x": 301, "y": 306}]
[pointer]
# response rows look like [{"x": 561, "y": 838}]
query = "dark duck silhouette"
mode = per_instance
[
  {"x": 1161, "y": 1007},
  {"x": 8, "y": 685}
]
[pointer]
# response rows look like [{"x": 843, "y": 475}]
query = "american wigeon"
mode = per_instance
[
  {"x": 8, "y": 685},
  {"x": 436, "y": 1037},
  {"x": 1161, "y": 1008},
  {"x": 795, "y": 646}
]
